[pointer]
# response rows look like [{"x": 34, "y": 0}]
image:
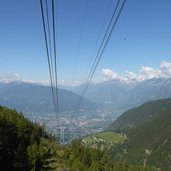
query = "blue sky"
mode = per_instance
[{"x": 142, "y": 38}]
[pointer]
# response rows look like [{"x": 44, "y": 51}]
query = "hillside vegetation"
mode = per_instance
[
  {"x": 142, "y": 114},
  {"x": 25, "y": 146},
  {"x": 20, "y": 142},
  {"x": 103, "y": 140},
  {"x": 148, "y": 129},
  {"x": 111, "y": 136}
]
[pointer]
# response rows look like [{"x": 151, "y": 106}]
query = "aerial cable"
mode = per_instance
[
  {"x": 102, "y": 48},
  {"x": 49, "y": 39},
  {"x": 104, "y": 37},
  {"x": 95, "y": 60},
  {"x": 79, "y": 41},
  {"x": 96, "y": 43},
  {"x": 55, "y": 59},
  {"x": 48, "y": 57},
  {"x": 99, "y": 34},
  {"x": 101, "y": 53}
]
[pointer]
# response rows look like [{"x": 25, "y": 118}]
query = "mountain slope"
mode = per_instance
[
  {"x": 139, "y": 115},
  {"x": 20, "y": 145},
  {"x": 152, "y": 141},
  {"x": 27, "y": 97},
  {"x": 107, "y": 92},
  {"x": 148, "y": 130},
  {"x": 126, "y": 95},
  {"x": 148, "y": 90},
  {"x": 25, "y": 146}
]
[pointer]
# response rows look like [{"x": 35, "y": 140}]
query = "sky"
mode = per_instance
[{"x": 138, "y": 48}]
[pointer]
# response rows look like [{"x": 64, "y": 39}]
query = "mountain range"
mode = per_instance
[
  {"x": 120, "y": 95},
  {"x": 27, "y": 97},
  {"x": 126, "y": 95}
]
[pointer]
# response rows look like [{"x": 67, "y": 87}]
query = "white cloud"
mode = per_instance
[
  {"x": 10, "y": 78},
  {"x": 149, "y": 73},
  {"x": 17, "y": 78},
  {"x": 110, "y": 75},
  {"x": 165, "y": 68},
  {"x": 42, "y": 82},
  {"x": 131, "y": 75},
  {"x": 145, "y": 73}
]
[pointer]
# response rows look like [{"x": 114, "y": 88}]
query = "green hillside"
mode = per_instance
[
  {"x": 21, "y": 146},
  {"x": 149, "y": 138},
  {"x": 103, "y": 140},
  {"x": 25, "y": 146},
  {"x": 139, "y": 115},
  {"x": 111, "y": 136}
]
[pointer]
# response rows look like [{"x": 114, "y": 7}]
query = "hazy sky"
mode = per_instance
[{"x": 141, "y": 41}]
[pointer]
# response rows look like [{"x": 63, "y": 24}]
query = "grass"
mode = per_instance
[
  {"x": 111, "y": 136},
  {"x": 106, "y": 136},
  {"x": 89, "y": 139}
]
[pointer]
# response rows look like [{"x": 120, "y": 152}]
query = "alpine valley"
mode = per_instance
[{"x": 102, "y": 104}]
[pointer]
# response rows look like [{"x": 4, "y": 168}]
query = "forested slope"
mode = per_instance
[
  {"x": 148, "y": 130},
  {"x": 25, "y": 146}
]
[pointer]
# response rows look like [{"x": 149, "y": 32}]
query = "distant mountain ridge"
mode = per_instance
[
  {"x": 124, "y": 95},
  {"x": 117, "y": 94},
  {"x": 28, "y": 97}
]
